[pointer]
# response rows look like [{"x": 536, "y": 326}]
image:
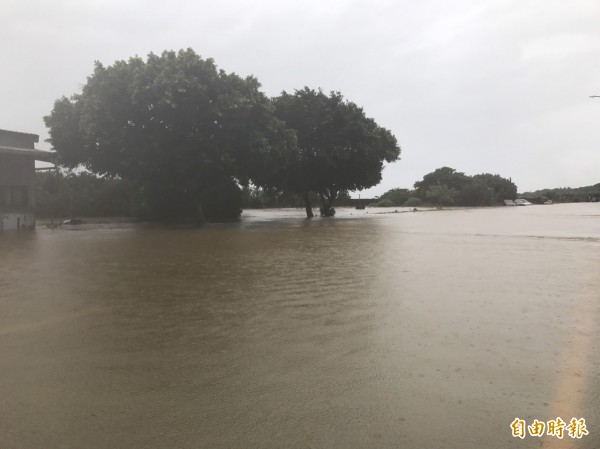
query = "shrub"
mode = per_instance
[
  {"x": 383, "y": 203},
  {"x": 413, "y": 202}
]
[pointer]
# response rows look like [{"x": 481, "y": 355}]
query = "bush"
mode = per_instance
[
  {"x": 397, "y": 196},
  {"x": 413, "y": 202},
  {"x": 383, "y": 203}
]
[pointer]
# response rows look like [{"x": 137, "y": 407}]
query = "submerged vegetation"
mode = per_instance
[{"x": 65, "y": 193}]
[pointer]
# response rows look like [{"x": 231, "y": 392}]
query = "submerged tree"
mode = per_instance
[
  {"x": 183, "y": 131},
  {"x": 339, "y": 148}
]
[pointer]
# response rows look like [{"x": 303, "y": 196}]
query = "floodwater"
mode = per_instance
[{"x": 408, "y": 330}]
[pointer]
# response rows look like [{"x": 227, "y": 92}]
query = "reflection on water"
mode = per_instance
[{"x": 427, "y": 329}]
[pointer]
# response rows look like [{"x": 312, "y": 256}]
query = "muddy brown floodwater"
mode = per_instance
[{"x": 409, "y": 330}]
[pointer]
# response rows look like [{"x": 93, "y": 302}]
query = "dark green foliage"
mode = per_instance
[
  {"x": 397, "y": 197},
  {"x": 262, "y": 198},
  {"x": 67, "y": 195},
  {"x": 480, "y": 190},
  {"x": 189, "y": 136},
  {"x": 255, "y": 198},
  {"x": 441, "y": 195},
  {"x": 383, "y": 203},
  {"x": 177, "y": 127},
  {"x": 344, "y": 199},
  {"x": 413, "y": 201},
  {"x": 339, "y": 148},
  {"x": 565, "y": 194},
  {"x": 487, "y": 190},
  {"x": 222, "y": 200},
  {"x": 442, "y": 176}
]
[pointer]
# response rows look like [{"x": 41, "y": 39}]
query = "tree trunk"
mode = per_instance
[
  {"x": 327, "y": 199},
  {"x": 309, "y": 212},
  {"x": 200, "y": 218}
]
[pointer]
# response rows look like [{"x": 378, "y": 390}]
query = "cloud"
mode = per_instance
[{"x": 499, "y": 86}]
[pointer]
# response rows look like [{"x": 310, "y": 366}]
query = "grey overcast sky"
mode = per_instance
[{"x": 496, "y": 86}]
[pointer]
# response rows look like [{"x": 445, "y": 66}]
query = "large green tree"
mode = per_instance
[
  {"x": 339, "y": 147},
  {"x": 441, "y": 195},
  {"x": 397, "y": 196},
  {"x": 442, "y": 176},
  {"x": 484, "y": 189},
  {"x": 487, "y": 189},
  {"x": 185, "y": 132}
]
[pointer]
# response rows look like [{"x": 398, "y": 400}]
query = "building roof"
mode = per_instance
[
  {"x": 7, "y": 131},
  {"x": 38, "y": 155}
]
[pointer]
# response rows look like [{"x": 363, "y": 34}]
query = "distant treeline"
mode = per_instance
[
  {"x": 565, "y": 195},
  {"x": 448, "y": 187}
]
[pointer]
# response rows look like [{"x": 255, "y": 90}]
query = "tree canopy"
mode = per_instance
[
  {"x": 190, "y": 136},
  {"x": 446, "y": 176},
  {"x": 446, "y": 186},
  {"x": 441, "y": 195},
  {"x": 397, "y": 197},
  {"x": 339, "y": 148},
  {"x": 178, "y": 127}
]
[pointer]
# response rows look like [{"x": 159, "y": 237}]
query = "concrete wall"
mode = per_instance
[{"x": 16, "y": 221}]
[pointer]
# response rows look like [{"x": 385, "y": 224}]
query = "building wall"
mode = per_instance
[
  {"x": 17, "y": 192},
  {"x": 17, "y": 170}
]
